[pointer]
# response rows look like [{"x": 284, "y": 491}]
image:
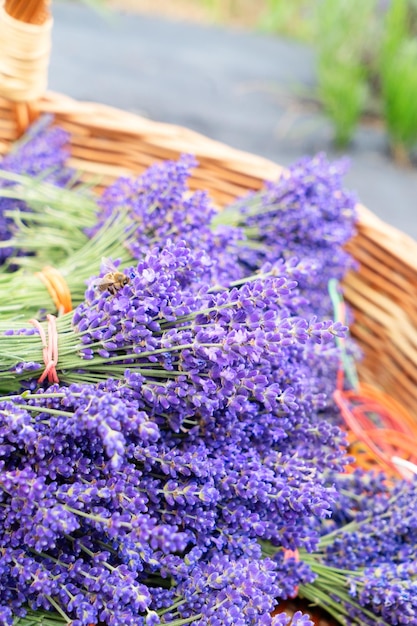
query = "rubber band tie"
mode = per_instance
[
  {"x": 49, "y": 349},
  {"x": 57, "y": 288}
]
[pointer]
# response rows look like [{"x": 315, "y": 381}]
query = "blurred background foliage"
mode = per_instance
[{"x": 366, "y": 54}]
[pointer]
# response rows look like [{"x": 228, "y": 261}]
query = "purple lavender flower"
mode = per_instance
[
  {"x": 75, "y": 519},
  {"x": 65, "y": 497},
  {"x": 231, "y": 592},
  {"x": 363, "y": 568},
  {"x": 307, "y": 213},
  {"x": 389, "y": 591},
  {"x": 43, "y": 148},
  {"x": 298, "y": 619},
  {"x": 162, "y": 208},
  {"x": 212, "y": 348},
  {"x": 372, "y": 523},
  {"x": 382, "y": 595}
]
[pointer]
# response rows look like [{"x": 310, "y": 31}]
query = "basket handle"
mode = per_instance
[
  {"x": 25, "y": 46},
  {"x": 29, "y": 11}
]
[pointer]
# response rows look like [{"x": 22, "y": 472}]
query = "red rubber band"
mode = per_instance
[{"x": 49, "y": 349}]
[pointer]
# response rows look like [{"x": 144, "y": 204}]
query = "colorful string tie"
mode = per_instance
[
  {"x": 49, "y": 349},
  {"x": 57, "y": 288},
  {"x": 382, "y": 433}
]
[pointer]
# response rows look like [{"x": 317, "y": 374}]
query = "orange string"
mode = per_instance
[
  {"x": 384, "y": 432},
  {"x": 387, "y": 432},
  {"x": 49, "y": 349},
  {"x": 57, "y": 288},
  {"x": 360, "y": 433},
  {"x": 381, "y": 432}
]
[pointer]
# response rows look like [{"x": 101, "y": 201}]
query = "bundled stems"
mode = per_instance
[{"x": 24, "y": 293}]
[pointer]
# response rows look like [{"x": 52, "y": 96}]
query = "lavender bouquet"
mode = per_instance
[
  {"x": 193, "y": 431},
  {"x": 306, "y": 213},
  {"x": 363, "y": 570},
  {"x": 218, "y": 381}
]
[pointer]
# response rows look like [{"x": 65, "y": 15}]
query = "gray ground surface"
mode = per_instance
[{"x": 233, "y": 86}]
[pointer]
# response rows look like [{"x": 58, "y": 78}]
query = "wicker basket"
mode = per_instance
[{"x": 107, "y": 142}]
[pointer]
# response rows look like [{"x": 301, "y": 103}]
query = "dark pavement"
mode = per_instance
[{"x": 233, "y": 86}]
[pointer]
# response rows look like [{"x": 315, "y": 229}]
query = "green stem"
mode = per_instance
[{"x": 58, "y": 609}]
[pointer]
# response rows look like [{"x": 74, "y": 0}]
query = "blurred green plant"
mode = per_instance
[
  {"x": 366, "y": 57},
  {"x": 398, "y": 73},
  {"x": 342, "y": 29},
  {"x": 289, "y": 18},
  {"x": 396, "y": 29},
  {"x": 293, "y": 19}
]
